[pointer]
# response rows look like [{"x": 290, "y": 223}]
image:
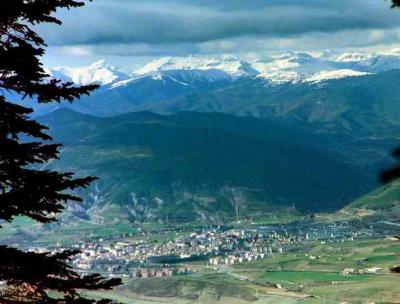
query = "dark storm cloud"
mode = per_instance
[{"x": 163, "y": 22}]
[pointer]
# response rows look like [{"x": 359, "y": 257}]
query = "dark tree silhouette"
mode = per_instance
[
  {"x": 395, "y": 3},
  {"x": 29, "y": 277},
  {"x": 393, "y": 173}
]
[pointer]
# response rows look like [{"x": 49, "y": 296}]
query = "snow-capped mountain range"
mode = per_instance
[
  {"x": 286, "y": 68},
  {"x": 230, "y": 65},
  {"x": 99, "y": 72}
]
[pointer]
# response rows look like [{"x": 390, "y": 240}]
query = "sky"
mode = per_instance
[{"x": 131, "y": 32}]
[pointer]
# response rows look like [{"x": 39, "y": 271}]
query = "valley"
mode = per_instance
[
  {"x": 328, "y": 259},
  {"x": 201, "y": 167},
  {"x": 227, "y": 181},
  {"x": 199, "y": 152}
]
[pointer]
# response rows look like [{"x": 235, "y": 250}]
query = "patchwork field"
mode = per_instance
[
  {"x": 298, "y": 277},
  {"x": 320, "y": 272}
]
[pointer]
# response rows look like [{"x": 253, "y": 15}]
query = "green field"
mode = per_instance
[
  {"x": 381, "y": 199},
  {"x": 66, "y": 234},
  {"x": 291, "y": 278},
  {"x": 321, "y": 277},
  {"x": 309, "y": 276}
]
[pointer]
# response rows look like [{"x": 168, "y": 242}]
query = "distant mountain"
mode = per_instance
[
  {"x": 372, "y": 63},
  {"x": 290, "y": 67},
  {"x": 303, "y": 68},
  {"x": 127, "y": 96},
  {"x": 229, "y": 84},
  {"x": 98, "y": 73},
  {"x": 228, "y": 66},
  {"x": 286, "y": 68},
  {"x": 361, "y": 107},
  {"x": 206, "y": 167},
  {"x": 359, "y": 115}
]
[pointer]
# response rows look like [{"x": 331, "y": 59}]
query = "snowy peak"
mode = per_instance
[
  {"x": 97, "y": 73},
  {"x": 352, "y": 57},
  {"x": 281, "y": 77},
  {"x": 101, "y": 64},
  {"x": 373, "y": 63},
  {"x": 335, "y": 74},
  {"x": 292, "y": 67},
  {"x": 230, "y": 65}
]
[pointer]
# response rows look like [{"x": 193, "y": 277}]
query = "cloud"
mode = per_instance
[
  {"x": 176, "y": 22},
  {"x": 129, "y": 28},
  {"x": 243, "y": 45}
]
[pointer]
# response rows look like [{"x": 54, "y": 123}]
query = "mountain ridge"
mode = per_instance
[
  {"x": 191, "y": 163},
  {"x": 285, "y": 68}
]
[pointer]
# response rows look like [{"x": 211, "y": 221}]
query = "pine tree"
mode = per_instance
[
  {"x": 393, "y": 173},
  {"x": 29, "y": 277}
]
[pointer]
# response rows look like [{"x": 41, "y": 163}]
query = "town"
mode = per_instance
[{"x": 140, "y": 256}]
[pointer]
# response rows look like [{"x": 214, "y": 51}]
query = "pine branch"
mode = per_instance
[
  {"x": 395, "y": 3},
  {"x": 24, "y": 144},
  {"x": 394, "y": 173}
]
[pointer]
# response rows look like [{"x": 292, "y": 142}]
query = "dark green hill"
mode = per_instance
[
  {"x": 382, "y": 199},
  {"x": 200, "y": 166},
  {"x": 358, "y": 106},
  {"x": 359, "y": 115}
]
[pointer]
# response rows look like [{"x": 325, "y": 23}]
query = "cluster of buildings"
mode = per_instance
[
  {"x": 147, "y": 272},
  {"x": 138, "y": 257},
  {"x": 160, "y": 273},
  {"x": 354, "y": 271},
  {"x": 239, "y": 258},
  {"x": 212, "y": 245}
]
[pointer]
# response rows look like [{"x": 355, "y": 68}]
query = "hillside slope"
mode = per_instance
[
  {"x": 384, "y": 199},
  {"x": 199, "y": 167},
  {"x": 364, "y": 106}
]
